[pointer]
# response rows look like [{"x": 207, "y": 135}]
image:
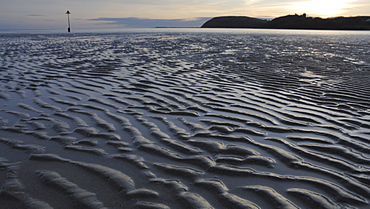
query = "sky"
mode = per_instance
[{"x": 117, "y": 14}]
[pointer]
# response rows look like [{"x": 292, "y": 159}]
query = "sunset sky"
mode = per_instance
[{"x": 86, "y": 14}]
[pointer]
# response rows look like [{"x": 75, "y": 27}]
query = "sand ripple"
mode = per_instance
[{"x": 184, "y": 120}]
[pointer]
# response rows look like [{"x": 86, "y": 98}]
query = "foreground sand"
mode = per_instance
[{"x": 183, "y": 120}]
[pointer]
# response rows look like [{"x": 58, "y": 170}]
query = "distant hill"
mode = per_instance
[
  {"x": 234, "y": 22},
  {"x": 291, "y": 22}
]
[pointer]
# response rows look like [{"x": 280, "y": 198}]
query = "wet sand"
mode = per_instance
[{"x": 184, "y": 120}]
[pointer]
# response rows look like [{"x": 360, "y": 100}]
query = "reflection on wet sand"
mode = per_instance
[{"x": 184, "y": 120}]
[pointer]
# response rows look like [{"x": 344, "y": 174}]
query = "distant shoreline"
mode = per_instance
[
  {"x": 175, "y": 27},
  {"x": 291, "y": 22}
]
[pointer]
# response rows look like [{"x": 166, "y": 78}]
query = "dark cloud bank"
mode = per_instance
[{"x": 151, "y": 23}]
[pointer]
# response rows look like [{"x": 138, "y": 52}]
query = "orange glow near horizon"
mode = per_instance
[{"x": 322, "y": 8}]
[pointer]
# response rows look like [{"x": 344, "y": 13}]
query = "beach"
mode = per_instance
[{"x": 185, "y": 118}]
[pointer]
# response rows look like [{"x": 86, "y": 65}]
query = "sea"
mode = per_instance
[{"x": 185, "y": 118}]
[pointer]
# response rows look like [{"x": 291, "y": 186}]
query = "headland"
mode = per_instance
[{"x": 291, "y": 22}]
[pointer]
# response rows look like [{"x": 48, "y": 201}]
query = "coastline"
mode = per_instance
[{"x": 300, "y": 22}]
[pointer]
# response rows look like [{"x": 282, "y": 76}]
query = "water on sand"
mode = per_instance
[{"x": 177, "y": 118}]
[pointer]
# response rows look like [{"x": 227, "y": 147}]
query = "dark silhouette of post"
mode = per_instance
[{"x": 69, "y": 22}]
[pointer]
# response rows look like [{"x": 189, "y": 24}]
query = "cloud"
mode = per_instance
[
  {"x": 133, "y": 22},
  {"x": 35, "y": 15}
]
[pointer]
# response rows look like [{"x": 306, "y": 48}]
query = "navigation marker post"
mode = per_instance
[{"x": 69, "y": 22}]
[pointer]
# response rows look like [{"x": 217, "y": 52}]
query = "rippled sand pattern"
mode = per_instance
[{"x": 184, "y": 120}]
